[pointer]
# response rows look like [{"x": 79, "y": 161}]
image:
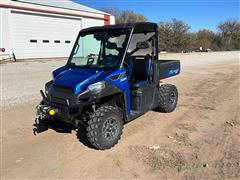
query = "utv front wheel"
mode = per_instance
[
  {"x": 105, "y": 127},
  {"x": 168, "y": 97}
]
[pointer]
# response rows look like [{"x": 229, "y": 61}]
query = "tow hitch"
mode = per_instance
[
  {"x": 42, "y": 112},
  {"x": 45, "y": 111}
]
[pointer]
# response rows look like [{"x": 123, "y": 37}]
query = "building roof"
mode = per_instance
[{"x": 65, "y": 4}]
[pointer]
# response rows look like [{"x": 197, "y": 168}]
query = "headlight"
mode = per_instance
[{"x": 97, "y": 87}]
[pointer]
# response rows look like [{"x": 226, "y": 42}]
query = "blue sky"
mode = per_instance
[{"x": 196, "y": 13}]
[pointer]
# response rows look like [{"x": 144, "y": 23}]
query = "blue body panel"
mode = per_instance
[
  {"x": 122, "y": 84},
  {"x": 168, "y": 68},
  {"x": 80, "y": 78},
  {"x": 172, "y": 72}
]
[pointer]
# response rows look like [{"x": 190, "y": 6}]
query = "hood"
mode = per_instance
[{"x": 78, "y": 78}]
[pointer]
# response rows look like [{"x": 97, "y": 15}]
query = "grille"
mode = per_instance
[
  {"x": 63, "y": 89},
  {"x": 59, "y": 100}
]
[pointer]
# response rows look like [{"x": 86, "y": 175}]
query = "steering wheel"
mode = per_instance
[{"x": 90, "y": 61}]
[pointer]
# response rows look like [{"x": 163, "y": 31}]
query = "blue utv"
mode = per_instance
[{"x": 111, "y": 77}]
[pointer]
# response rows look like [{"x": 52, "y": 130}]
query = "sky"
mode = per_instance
[{"x": 198, "y": 14}]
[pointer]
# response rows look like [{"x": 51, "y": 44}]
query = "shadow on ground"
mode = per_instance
[{"x": 62, "y": 127}]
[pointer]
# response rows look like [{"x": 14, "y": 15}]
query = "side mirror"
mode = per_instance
[{"x": 143, "y": 45}]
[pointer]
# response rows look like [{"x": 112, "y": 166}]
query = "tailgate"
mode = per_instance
[{"x": 168, "y": 68}]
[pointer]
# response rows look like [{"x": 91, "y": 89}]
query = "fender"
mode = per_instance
[{"x": 120, "y": 80}]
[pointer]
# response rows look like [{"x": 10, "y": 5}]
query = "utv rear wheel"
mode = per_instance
[
  {"x": 105, "y": 127},
  {"x": 168, "y": 97}
]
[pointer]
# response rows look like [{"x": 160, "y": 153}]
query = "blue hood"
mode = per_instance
[{"x": 78, "y": 78}]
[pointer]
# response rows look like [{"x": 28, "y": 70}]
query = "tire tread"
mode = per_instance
[
  {"x": 94, "y": 123},
  {"x": 164, "y": 91}
]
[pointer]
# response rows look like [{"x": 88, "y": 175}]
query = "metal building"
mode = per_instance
[{"x": 45, "y": 28}]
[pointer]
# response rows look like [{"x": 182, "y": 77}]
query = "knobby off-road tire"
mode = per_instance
[
  {"x": 105, "y": 127},
  {"x": 168, "y": 97}
]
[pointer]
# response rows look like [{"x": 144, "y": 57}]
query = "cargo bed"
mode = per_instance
[{"x": 168, "y": 68}]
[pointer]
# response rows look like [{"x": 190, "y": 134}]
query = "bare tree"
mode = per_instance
[
  {"x": 164, "y": 35},
  {"x": 173, "y": 35},
  {"x": 125, "y": 16},
  {"x": 216, "y": 44},
  {"x": 204, "y": 38},
  {"x": 230, "y": 30},
  {"x": 130, "y": 16}
]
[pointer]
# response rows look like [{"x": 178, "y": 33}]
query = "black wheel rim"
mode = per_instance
[
  {"x": 172, "y": 98},
  {"x": 110, "y": 129}
]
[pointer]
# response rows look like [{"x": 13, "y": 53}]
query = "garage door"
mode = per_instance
[{"x": 40, "y": 36}]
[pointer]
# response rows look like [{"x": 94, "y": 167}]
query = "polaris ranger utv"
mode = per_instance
[{"x": 111, "y": 77}]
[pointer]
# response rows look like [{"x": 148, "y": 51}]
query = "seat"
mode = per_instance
[{"x": 139, "y": 70}]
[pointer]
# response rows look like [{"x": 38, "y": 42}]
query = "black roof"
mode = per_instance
[{"x": 138, "y": 27}]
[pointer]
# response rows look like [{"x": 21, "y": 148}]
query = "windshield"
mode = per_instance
[{"x": 102, "y": 49}]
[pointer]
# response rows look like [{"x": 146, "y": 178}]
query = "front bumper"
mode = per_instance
[
  {"x": 67, "y": 104},
  {"x": 61, "y": 112},
  {"x": 67, "y": 108}
]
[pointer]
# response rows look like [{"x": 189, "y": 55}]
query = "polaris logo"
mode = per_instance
[{"x": 175, "y": 71}]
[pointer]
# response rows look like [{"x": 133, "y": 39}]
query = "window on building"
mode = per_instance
[
  {"x": 45, "y": 41},
  {"x": 33, "y": 41},
  {"x": 57, "y": 41},
  {"x": 67, "y": 41}
]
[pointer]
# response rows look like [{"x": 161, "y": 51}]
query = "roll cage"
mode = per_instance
[{"x": 133, "y": 28}]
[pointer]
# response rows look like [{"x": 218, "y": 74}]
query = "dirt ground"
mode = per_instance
[{"x": 199, "y": 140}]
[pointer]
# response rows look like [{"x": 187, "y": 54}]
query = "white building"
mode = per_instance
[{"x": 45, "y": 28}]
